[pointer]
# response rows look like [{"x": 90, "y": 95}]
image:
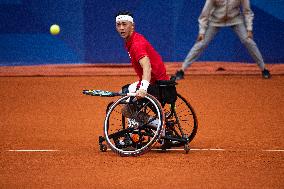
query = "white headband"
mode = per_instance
[{"x": 124, "y": 18}]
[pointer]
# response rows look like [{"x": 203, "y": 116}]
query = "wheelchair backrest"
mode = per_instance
[{"x": 166, "y": 91}]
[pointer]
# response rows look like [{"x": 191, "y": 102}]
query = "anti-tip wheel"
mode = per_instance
[
  {"x": 103, "y": 147},
  {"x": 186, "y": 148}
]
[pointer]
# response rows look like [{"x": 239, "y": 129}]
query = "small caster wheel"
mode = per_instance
[
  {"x": 186, "y": 148},
  {"x": 103, "y": 147},
  {"x": 163, "y": 149}
]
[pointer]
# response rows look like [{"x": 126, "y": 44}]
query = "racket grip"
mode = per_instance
[{"x": 131, "y": 94}]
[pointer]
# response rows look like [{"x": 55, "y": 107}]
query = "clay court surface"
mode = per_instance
[{"x": 49, "y": 133}]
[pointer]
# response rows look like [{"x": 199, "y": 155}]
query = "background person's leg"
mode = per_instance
[
  {"x": 196, "y": 50},
  {"x": 252, "y": 48},
  {"x": 199, "y": 47}
]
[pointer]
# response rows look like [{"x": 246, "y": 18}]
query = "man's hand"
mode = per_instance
[
  {"x": 141, "y": 93},
  {"x": 200, "y": 37},
  {"x": 250, "y": 35}
]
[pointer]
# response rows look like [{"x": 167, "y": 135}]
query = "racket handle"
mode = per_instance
[{"x": 131, "y": 94}]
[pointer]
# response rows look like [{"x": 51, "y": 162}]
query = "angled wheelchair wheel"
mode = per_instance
[
  {"x": 132, "y": 127},
  {"x": 181, "y": 122}
]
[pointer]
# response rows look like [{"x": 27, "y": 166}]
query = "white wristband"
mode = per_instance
[{"x": 144, "y": 85}]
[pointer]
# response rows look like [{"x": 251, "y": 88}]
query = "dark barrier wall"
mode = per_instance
[{"x": 88, "y": 31}]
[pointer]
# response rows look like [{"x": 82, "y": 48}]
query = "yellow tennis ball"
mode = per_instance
[{"x": 54, "y": 29}]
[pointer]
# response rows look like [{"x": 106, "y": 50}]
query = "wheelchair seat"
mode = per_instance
[{"x": 166, "y": 90}]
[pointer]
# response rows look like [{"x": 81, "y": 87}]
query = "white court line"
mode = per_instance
[
  {"x": 193, "y": 149},
  {"x": 33, "y": 150},
  {"x": 180, "y": 149},
  {"x": 207, "y": 149},
  {"x": 219, "y": 149}
]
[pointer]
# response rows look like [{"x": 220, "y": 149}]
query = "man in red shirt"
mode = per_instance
[{"x": 145, "y": 60}]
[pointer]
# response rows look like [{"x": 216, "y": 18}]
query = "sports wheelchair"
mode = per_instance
[{"x": 167, "y": 119}]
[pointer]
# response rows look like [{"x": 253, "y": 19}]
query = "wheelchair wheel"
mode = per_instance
[
  {"x": 139, "y": 131},
  {"x": 181, "y": 122}
]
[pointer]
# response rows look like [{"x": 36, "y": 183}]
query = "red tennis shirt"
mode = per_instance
[{"x": 138, "y": 47}]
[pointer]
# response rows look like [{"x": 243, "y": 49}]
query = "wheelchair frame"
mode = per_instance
[{"x": 176, "y": 127}]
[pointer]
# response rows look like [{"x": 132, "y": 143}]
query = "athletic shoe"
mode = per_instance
[
  {"x": 132, "y": 123},
  {"x": 124, "y": 141},
  {"x": 179, "y": 75},
  {"x": 266, "y": 74}
]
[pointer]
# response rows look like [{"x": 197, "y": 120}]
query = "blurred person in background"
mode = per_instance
[{"x": 216, "y": 14}]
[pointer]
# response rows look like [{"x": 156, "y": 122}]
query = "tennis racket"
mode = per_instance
[{"x": 103, "y": 93}]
